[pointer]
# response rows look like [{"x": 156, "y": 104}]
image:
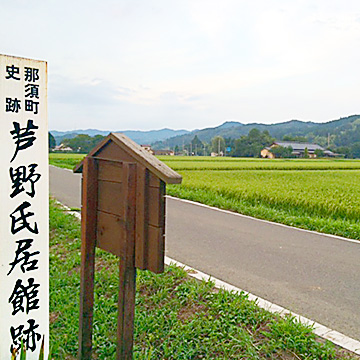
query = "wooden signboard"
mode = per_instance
[
  {"x": 24, "y": 199},
  {"x": 123, "y": 212}
]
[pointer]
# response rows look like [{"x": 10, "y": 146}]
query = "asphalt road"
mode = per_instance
[{"x": 314, "y": 275}]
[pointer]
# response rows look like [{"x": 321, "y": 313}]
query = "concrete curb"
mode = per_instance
[{"x": 320, "y": 330}]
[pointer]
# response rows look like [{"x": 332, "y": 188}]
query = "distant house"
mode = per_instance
[
  {"x": 164, "y": 152},
  {"x": 157, "y": 152},
  {"x": 148, "y": 148},
  {"x": 298, "y": 149},
  {"x": 62, "y": 147}
]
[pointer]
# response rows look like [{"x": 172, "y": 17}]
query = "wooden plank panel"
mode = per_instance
[
  {"x": 154, "y": 181},
  {"x": 142, "y": 217},
  {"x": 163, "y": 208},
  {"x": 110, "y": 233},
  {"x": 109, "y": 197},
  {"x": 113, "y": 152},
  {"x": 88, "y": 241},
  {"x": 156, "y": 249},
  {"x": 109, "y": 170},
  {"x": 156, "y": 234},
  {"x": 156, "y": 207}
]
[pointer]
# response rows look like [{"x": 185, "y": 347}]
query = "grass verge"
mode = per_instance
[{"x": 176, "y": 316}]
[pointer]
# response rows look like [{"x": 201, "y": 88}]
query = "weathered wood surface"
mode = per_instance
[
  {"x": 110, "y": 170},
  {"x": 142, "y": 217},
  {"x": 110, "y": 205},
  {"x": 127, "y": 275},
  {"x": 150, "y": 213},
  {"x": 88, "y": 234},
  {"x": 110, "y": 197},
  {"x": 109, "y": 229},
  {"x": 156, "y": 232},
  {"x": 113, "y": 152},
  {"x": 156, "y": 202}
]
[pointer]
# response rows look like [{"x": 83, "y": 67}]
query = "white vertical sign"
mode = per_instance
[{"x": 24, "y": 228}]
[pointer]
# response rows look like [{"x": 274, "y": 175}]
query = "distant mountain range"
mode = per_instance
[
  {"x": 140, "y": 137},
  {"x": 343, "y": 132}
]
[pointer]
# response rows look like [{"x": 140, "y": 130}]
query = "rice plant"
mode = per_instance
[{"x": 15, "y": 352}]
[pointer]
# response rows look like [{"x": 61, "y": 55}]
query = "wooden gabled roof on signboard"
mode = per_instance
[{"x": 139, "y": 154}]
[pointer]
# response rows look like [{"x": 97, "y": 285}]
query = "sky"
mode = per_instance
[{"x": 189, "y": 64}]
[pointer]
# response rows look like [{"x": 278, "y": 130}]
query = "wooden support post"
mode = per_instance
[
  {"x": 88, "y": 243},
  {"x": 127, "y": 278}
]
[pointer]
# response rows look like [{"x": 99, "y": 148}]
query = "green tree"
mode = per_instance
[
  {"x": 229, "y": 143},
  {"x": 319, "y": 153},
  {"x": 218, "y": 144},
  {"x": 196, "y": 145},
  {"x": 251, "y": 145},
  {"x": 306, "y": 153},
  {"x": 83, "y": 143},
  {"x": 282, "y": 152},
  {"x": 344, "y": 151},
  {"x": 52, "y": 142},
  {"x": 254, "y": 134},
  {"x": 295, "y": 138},
  {"x": 355, "y": 150}
]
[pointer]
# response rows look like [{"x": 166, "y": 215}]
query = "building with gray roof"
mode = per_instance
[{"x": 298, "y": 149}]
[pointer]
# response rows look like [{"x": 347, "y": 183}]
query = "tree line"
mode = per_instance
[
  {"x": 246, "y": 146},
  {"x": 81, "y": 143}
]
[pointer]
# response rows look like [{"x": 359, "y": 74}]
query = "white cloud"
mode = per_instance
[{"x": 189, "y": 63}]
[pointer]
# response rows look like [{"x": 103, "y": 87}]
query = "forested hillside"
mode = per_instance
[{"x": 342, "y": 134}]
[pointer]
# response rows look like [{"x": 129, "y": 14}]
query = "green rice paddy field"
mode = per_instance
[{"x": 314, "y": 194}]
